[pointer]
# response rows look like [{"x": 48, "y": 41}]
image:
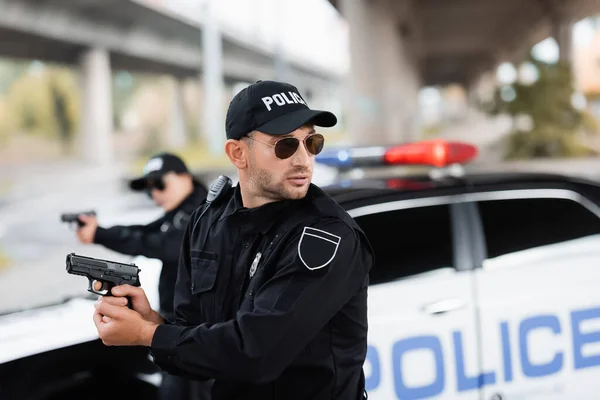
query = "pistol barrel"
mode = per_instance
[{"x": 103, "y": 270}]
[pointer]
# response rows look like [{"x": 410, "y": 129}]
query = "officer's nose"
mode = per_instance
[
  {"x": 155, "y": 194},
  {"x": 301, "y": 158}
]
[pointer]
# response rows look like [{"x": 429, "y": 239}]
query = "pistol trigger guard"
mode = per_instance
[
  {"x": 104, "y": 290},
  {"x": 91, "y": 285}
]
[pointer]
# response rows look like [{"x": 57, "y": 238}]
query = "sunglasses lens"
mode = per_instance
[
  {"x": 285, "y": 148},
  {"x": 314, "y": 143},
  {"x": 155, "y": 184}
]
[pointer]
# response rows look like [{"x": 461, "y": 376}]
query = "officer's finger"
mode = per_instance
[
  {"x": 115, "y": 301},
  {"x": 86, "y": 218},
  {"x": 109, "y": 310},
  {"x": 98, "y": 319},
  {"x": 97, "y": 286},
  {"x": 128, "y": 290}
]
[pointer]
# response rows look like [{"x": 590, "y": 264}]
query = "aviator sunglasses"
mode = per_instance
[
  {"x": 154, "y": 183},
  {"x": 286, "y": 147}
]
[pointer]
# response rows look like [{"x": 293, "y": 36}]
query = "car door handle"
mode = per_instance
[{"x": 444, "y": 306}]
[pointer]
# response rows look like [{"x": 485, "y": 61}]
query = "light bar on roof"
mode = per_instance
[
  {"x": 437, "y": 153},
  {"x": 352, "y": 157}
]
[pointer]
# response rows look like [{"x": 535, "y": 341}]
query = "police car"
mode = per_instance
[{"x": 485, "y": 287}]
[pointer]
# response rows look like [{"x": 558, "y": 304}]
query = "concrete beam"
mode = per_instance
[
  {"x": 456, "y": 32},
  {"x": 137, "y": 36},
  {"x": 63, "y": 25},
  {"x": 456, "y": 46}
]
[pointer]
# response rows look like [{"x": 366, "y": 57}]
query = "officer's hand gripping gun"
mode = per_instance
[
  {"x": 108, "y": 273},
  {"x": 74, "y": 217}
]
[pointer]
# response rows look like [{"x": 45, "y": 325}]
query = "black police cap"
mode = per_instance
[
  {"x": 157, "y": 166},
  {"x": 274, "y": 108}
]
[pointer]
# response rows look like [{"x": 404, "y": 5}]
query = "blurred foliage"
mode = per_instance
[
  {"x": 124, "y": 86},
  {"x": 153, "y": 143},
  {"x": 5, "y": 186},
  {"x": 4, "y": 260},
  {"x": 546, "y": 105},
  {"x": 196, "y": 155},
  {"x": 10, "y": 70},
  {"x": 43, "y": 101}
]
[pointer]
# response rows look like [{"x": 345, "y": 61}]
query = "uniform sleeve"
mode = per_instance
[
  {"x": 147, "y": 240},
  {"x": 321, "y": 269}
]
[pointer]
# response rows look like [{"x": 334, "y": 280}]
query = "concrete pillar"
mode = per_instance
[
  {"x": 96, "y": 116},
  {"x": 363, "y": 104},
  {"x": 562, "y": 31},
  {"x": 213, "y": 83},
  {"x": 382, "y": 106},
  {"x": 281, "y": 65},
  {"x": 176, "y": 135}
]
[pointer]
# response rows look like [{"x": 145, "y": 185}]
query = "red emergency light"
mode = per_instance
[{"x": 436, "y": 152}]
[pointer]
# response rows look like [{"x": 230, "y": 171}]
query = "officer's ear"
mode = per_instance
[{"x": 237, "y": 151}]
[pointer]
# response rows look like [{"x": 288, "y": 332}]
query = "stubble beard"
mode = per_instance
[{"x": 266, "y": 186}]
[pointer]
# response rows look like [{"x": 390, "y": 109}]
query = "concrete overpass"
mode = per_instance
[
  {"x": 101, "y": 35},
  {"x": 397, "y": 46}
]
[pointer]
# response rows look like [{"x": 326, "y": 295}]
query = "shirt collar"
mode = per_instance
[{"x": 262, "y": 218}]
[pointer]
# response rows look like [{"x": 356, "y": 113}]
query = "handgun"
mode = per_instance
[
  {"x": 74, "y": 217},
  {"x": 108, "y": 273}
]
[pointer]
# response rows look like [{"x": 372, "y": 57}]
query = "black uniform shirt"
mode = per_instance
[{"x": 271, "y": 302}]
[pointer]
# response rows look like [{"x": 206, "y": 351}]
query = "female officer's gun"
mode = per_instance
[
  {"x": 108, "y": 273},
  {"x": 74, "y": 217}
]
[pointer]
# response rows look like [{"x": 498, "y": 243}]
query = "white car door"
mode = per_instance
[
  {"x": 538, "y": 294},
  {"x": 422, "y": 332}
]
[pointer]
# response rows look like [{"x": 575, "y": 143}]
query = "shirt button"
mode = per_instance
[
  {"x": 246, "y": 245},
  {"x": 193, "y": 286}
]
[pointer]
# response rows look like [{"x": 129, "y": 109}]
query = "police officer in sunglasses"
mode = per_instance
[
  {"x": 271, "y": 296},
  {"x": 169, "y": 184}
]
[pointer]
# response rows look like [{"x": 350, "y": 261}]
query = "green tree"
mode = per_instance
[
  {"x": 10, "y": 70},
  {"x": 44, "y": 104},
  {"x": 64, "y": 102},
  {"x": 547, "y": 103},
  {"x": 124, "y": 85}
]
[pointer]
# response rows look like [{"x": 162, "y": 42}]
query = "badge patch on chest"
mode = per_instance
[
  {"x": 317, "y": 248},
  {"x": 254, "y": 265}
]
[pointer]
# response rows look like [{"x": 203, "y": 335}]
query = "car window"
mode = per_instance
[
  {"x": 409, "y": 241},
  {"x": 520, "y": 224}
]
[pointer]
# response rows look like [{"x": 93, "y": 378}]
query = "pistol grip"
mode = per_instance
[
  {"x": 106, "y": 288},
  {"x": 129, "y": 302}
]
